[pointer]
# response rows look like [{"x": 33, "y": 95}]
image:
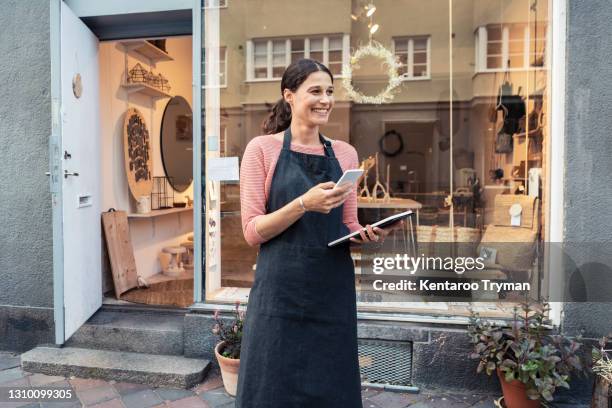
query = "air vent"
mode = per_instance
[{"x": 385, "y": 362}]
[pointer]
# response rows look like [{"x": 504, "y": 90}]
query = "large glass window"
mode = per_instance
[{"x": 460, "y": 140}]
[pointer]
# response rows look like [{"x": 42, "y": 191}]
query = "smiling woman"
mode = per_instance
[{"x": 289, "y": 206}]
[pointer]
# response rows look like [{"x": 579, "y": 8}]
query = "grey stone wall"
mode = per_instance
[
  {"x": 588, "y": 147},
  {"x": 588, "y": 160},
  {"x": 26, "y": 272}
]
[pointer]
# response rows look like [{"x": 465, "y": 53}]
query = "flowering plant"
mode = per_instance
[
  {"x": 230, "y": 332},
  {"x": 526, "y": 350}
]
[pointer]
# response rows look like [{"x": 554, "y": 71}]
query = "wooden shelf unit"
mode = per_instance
[
  {"x": 145, "y": 89},
  {"x": 147, "y": 50},
  {"x": 159, "y": 213}
]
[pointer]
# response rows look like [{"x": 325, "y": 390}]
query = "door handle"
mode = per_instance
[{"x": 66, "y": 174}]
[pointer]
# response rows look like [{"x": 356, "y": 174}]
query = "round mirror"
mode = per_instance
[{"x": 177, "y": 143}]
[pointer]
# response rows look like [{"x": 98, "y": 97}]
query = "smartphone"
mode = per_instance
[{"x": 349, "y": 176}]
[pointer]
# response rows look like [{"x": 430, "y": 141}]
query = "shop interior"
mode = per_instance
[{"x": 147, "y": 171}]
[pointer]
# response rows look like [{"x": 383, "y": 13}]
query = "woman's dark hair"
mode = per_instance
[{"x": 295, "y": 74}]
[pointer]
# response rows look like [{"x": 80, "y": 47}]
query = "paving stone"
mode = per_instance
[
  {"x": 209, "y": 384},
  {"x": 86, "y": 383},
  {"x": 469, "y": 399},
  {"x": 62, "y": 404},
  {"x": 173, "y": 394},
  {"x": 485, "y": 403},
  {"x": 369, "y": 392},
  {"x": 423, "y": 404},
  {"x": 190, "y": 402},
  {"x": 92, "y": 396},
  {"x": 37, "y": 380},
  {"x": 442, "y": 402},
  {"x": 11, "y": 374},
  {"x": 369, "y": 404},
  {"x": 395, "y": 400},
  {"x": 125, "y": 388},
  {"x": 217, "y": 397},
  {"x": 141, "y": 399},
  {"x": 114, "y": 403},
  {"x": 59, "y": 384},
  {"x": 20, "y": 382},
  {"x": 9, "y": 360}
]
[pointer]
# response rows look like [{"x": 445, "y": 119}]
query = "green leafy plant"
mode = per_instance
[
  {"x": 527, "y": 350},
  {"x": 230, "y": 332},
  {"x": 602, "y": 363}
]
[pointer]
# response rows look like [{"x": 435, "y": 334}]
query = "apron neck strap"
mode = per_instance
[{"x": 329, "y": 152}]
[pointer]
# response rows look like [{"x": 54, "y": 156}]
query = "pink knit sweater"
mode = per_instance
[{"x": 257, "y": 169}]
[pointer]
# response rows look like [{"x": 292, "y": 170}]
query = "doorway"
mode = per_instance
[{"x": 95, "y": 91}]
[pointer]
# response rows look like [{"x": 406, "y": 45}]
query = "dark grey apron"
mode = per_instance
[{"x": 299, "y": 346}]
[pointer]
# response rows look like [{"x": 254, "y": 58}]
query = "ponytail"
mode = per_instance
[{"x": 279, "y": 119}]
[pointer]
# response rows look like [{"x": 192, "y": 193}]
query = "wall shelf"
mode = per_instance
[
  {"x": 145, "y": 89},
  {"x": 147, "y": 50},
  {"x": 158, "y": 213}
]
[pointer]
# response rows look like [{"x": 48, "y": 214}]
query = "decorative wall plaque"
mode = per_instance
[{"x": 137, "y": 153}]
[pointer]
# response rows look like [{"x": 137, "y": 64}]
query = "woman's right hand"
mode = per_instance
[{"x": 324, "y": 197}]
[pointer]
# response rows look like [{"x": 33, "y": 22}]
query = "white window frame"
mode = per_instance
[
  {"x": 221, "y": 85},
  {"x": 481, "y": 41},
  {"x": 250, "y": 47},
  {"x": 409, "y": 75},
  {"x": 206, "y": 4}
]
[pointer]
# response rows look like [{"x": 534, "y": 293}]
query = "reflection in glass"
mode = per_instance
[
  {"x": 451, "y": 121},
  {"x": 177, "y": 143}
]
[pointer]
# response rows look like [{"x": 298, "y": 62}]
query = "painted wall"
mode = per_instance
[
  {"x": 26, "y": 237},
  {"x": 148, "y": 236},
  {"x": 588, "y": 149}
]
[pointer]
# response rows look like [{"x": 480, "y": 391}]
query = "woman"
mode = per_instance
[{"x": 300, "y": 340}]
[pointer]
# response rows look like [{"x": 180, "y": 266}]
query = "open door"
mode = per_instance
[{"x": 79, "y": 181}]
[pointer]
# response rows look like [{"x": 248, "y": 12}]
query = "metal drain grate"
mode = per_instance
[{"x": 385, "y": 362}]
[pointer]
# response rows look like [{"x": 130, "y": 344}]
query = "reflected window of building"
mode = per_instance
[
  {"x": 214, "y": 3},
  {"x": 270, "y": 57},
  {"x": 221, "y": 65},
  {"x": 413, "y": 54},
  {"x": 513, "y": 46}
]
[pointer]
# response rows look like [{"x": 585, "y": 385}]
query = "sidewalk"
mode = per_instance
[{"x": 209, "y": 394}]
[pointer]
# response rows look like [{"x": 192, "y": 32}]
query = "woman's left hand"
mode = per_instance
[{"x": 375, "y": 234}]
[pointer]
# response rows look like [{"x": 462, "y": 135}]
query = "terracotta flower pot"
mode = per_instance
[
  {"x": 229, "y": 370},
  {"x": 515, "y": 393}
]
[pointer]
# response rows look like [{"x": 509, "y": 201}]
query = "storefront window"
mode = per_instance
[{"x": 461, "y": 139}]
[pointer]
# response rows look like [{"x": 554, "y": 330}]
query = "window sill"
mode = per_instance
[
  {"x": 497, "y": 71},
  {"x": 253, "y": 81},
  {"x": 416, "y": 79},
  {"x": 214, "y": 87},
  {"x": 365, "y": 315}
]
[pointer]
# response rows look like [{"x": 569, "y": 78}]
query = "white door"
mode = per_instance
[{"x": 80, "y": 156}]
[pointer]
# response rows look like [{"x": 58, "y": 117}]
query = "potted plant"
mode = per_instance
[
  {"x": 530, "y": 360},
  {"x": 602, "y": 367},
  {"x": 227, "y": 349}
]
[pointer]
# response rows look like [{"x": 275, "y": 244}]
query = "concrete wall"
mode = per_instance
[
  {"x": 588, "y": 147},
  {"x": 26, "y": 239},
  {"x": 588, "y": 154}
]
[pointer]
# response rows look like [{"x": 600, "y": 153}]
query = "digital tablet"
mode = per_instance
[{"x": 381, "y": 224}]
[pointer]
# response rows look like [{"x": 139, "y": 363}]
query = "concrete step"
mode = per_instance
[
  {"x": 151, "y": 369},
  {"x": 139, "y": 332}
]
